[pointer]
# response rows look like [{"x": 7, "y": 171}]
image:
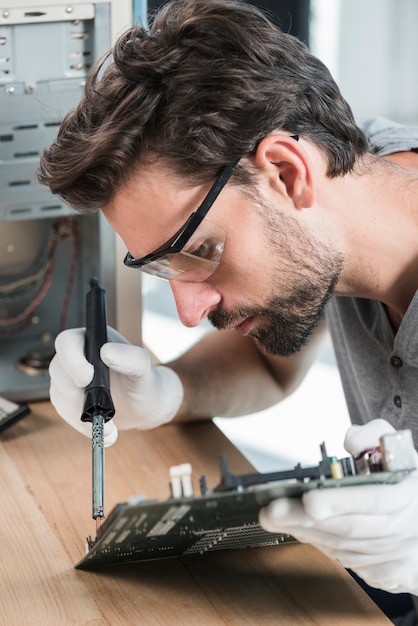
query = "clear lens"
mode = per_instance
[
  {"x": 198, "y": 259},
  {"x": 181, "y": 266}
]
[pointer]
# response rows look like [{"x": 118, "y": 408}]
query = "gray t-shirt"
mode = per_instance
[{"x": 379, "y": 368}]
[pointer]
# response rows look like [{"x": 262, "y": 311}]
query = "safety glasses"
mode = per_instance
[{"x": 195, "y": 251}]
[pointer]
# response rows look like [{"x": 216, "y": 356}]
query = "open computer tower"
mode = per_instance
[{"x": 48, "y": 253}]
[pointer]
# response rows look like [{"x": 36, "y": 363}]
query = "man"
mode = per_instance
[{"x": 224, "y": 155}]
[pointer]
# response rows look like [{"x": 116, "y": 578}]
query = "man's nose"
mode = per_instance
[{"x": 194, "y": 301}]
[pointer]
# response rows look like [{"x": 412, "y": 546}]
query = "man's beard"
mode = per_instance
[
  {"x": 284, "y": 325},
  {"x": 286, "y": 322}
]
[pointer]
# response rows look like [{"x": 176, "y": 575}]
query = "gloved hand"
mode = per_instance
[
  {"x": 371, "y": 529},
  {"x": 144, "y": 396}
]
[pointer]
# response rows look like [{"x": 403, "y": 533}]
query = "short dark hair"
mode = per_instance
[{"x": 200, "y": 88}]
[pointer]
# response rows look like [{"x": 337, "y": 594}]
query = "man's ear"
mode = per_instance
[{"x": 287, "y": 167}]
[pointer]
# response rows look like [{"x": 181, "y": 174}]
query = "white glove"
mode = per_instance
[
  {"x": 371, "y": 529},
  {"x": 144, "y": 396}
]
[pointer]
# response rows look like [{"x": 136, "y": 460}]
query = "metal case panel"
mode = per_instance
[{"x": 47, "y": 252}]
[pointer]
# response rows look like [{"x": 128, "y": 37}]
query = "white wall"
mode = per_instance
[{"x": 371, "y": 47}]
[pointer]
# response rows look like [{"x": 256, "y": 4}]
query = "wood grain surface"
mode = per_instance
[{"x": 45, "y": 516}]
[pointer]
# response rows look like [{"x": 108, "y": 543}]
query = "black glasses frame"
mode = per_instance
[{"x": 182, "y": 236}]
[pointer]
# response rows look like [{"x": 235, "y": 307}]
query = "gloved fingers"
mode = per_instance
[
  {"x": 283, "y": 513},
  {"x": 383, "y": 577},
  {"x": 374, "y": 530},
  {"x": 110, "y": 434},
  {"x": 127, "y": 421},
  {"x": 126, "y": 359},
  {"x": 115, "y": 337},
  {"x": 366, "y": 550},
  {"x": 69, "y": 405},
  {"x": 306, "y": 533},
  {"x": 350, "y": 554},
  {"x": 355, "y": 559},
  {"x": 364, "y": 499},
  {"x": 360, "y": 438},
  {"x": 70, "y": 411},
  {"x": 64, "y": 395},
  {"x": 399, "y": 575},
  {"x": 69, "y": 346},
  {"x": 158, "y": 400},
  {"x": 64, "y": 382}
]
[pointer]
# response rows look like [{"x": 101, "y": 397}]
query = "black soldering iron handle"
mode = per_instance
[{"x": 97, "y": 398}]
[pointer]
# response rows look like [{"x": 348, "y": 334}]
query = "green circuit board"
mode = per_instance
[{"x": 141, "y": 530}]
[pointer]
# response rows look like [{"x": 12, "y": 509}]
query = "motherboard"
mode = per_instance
[{"x": 226, "y": 517}]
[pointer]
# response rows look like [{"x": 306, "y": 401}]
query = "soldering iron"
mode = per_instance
[{"x": 98, "y": 404}]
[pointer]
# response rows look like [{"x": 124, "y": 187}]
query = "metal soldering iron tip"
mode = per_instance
[{"x": 98, "y": 524}]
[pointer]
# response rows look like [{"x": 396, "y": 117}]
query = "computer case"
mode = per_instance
[{"x": 48, "y": 253}]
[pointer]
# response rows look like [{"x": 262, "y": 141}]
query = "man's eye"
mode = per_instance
[
  {"x": 207, "y": 248},
  {"x": 203, "y": 249}
]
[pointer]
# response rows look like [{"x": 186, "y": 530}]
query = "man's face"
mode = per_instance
[
  {"x": 274, "y": 277},
  {"x": 284, "y": 323}
]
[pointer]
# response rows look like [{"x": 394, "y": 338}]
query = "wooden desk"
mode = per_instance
[{"x": 45, "y": 515}]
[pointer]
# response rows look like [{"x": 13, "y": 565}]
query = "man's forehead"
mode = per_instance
[
  {"x": 157, "y": 180},
  {"x": 154, "y": 196}
]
